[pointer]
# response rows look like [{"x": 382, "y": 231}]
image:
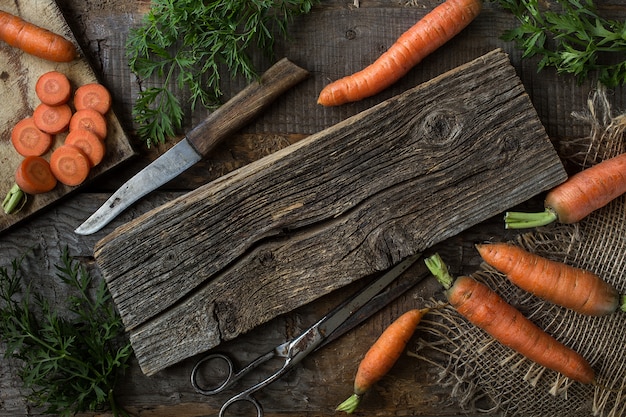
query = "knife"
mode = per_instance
[{"x": 221, "y": 123}]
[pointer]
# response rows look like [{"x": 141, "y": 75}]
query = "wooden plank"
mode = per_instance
[
  {"x": 18, "y": 75},
  {"x": 337, "y": 206}
]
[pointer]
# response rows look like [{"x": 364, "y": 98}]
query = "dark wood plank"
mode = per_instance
[{"x": 384, "y": 184}]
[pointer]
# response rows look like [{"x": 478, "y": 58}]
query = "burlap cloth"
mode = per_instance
[{"x": 485, "y": 376}]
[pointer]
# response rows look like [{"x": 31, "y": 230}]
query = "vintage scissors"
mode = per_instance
[{"x": 293, "y": 351}]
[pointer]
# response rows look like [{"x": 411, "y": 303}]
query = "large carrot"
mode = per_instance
[
  {"x": 487, "y": 310},
  {"x": 427, "y": 35},
  {"x": 383, "y": 354},
  {"x": 583, "y": 193},
  {"x": 35, "y": 40},
  {"x": 557, "y": 282}
]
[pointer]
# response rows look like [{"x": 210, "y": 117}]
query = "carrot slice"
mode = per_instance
[
  {"x": 52, "y": 119},
  {"x": 34, "y": 175},
  {"x": 91, "y": 120},
  {"x": 53, "y": 88},
  {"x": 89, "y": 143},
  {"x": 28, "y": 139},
  {"x": 92, "y": 96},
  {"x": 70, "y": 165}
]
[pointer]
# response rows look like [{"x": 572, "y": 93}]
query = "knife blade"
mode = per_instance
[{"x": 220, "y": 124}]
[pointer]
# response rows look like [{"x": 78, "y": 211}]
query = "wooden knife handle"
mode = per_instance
[{"x": 245, "y": 106}]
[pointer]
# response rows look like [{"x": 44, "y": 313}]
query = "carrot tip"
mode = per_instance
[
  {"x": 518, "y": 220},
  {"x": 349, "y": 405},
  {"x": 14, "y": 200}
]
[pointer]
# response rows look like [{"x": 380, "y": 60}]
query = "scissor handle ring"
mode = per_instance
[
  {"x": 212, "y": 391},
  {"x": 241, "y": 398}
]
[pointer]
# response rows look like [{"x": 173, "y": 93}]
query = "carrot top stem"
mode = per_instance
[
  {"x": 349, "y": 405},
  {"x": 440, "y": 270},
  {"x": 519, "y": 220},
  {"x": 14, "y": 200}
]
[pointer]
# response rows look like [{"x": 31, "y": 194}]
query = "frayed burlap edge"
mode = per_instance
[{"x": 483, "y": 375}]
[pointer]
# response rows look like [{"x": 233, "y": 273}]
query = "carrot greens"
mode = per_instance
[
  {"x": 574, "y": 38},
  {"x": 70, "y": 364},
  {"x": 187, "y": 43}
]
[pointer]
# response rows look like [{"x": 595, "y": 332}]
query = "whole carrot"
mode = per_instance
[
  {"x": 427, "y": 35},
  {"x": 557, "y": 282},
  {"x": 583, "y": 193},
  {"x": 35, "y": 40},
  {"x": 383, "y": 354},
  {"x": 487, "y": 310}
]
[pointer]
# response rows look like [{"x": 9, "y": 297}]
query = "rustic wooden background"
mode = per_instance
[{"x": 334, "y": 39}]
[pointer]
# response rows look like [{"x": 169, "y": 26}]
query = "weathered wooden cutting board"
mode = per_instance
[
  {"x": 18, "y": 75},
  {"x": 342, "y": 204}
]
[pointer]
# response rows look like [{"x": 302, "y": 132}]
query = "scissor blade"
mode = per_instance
[{"x": 342, "y": 313}]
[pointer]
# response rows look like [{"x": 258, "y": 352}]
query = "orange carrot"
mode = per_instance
[
  {"x": 52, "y": 119},
  {"x": 583, "y": 193},
  {"x": 91, "y": 120},
  {"x": 35, "y": 40},
  {"x": 34, "y": 176},
  {"x": 487, "y": 310},
  {"x": 557, "y": 282},
  {"x": 89, "y": 143},
  {"x": 92, "y": 96},
  {"x": 28, "y": 140},
  {"x": 427, "y": 35},
  {"x": 383, "y": 354},
  {"x": 53, "y": 88},
  {"x": 69, "y": 165}
]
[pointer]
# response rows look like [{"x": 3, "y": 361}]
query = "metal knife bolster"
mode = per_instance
[{"x": 220, "y": 124}]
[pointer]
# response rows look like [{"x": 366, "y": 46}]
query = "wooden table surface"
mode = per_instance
[{"x": 334, "y": 39}]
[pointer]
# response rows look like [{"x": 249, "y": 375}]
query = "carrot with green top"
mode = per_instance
[
  {"x": 574, "y": 288},
  {"x": 579, "y": 196},
  {"x": 486, "y": 309},
  {"x": 383, "y": 354},
  {"x": 427, "y": 35}
]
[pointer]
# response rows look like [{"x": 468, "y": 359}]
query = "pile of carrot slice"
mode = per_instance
[{"x": 83, "y": 148}]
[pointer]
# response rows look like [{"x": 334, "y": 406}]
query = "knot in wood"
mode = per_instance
[
  {"x": 439, "y": 127},
  {"x": 350, "y": 34}
]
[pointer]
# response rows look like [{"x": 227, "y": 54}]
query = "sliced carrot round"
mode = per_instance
[
  {"x": 89, "y": 143},
  {"x": 91, "y": 120},
  {"x": 53, "y": 88},
  {"x": 70, "y": 165},
  {"x": 52, "y": 119},
  {"x": 92, "y": 96},
  {"x": 34, "y": 175},
  {"x": 28, "y": 139}
]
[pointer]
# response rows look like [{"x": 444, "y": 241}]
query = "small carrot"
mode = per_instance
[
  {"x": 427, "y": 35},
  {"x": 35, "y": 40},
  {"x": 52, "y": 119},
  {"x": 383, "y": 354},
  {"x": 92, "y": 96},
  {"x": 28, "y": 139},
  {"x": 583, "y": 193},
  {"x": 70, "y": 165},
  {"x": 91, "y": 120},
  {"x": 53, "y": 88},
  {"x": 89, "y": 143},
  {"x": 34, "y": 176},
  {"x": 557, "y": 282},
  {"x": 487, "y": 310}
]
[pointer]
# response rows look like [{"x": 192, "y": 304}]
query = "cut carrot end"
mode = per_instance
[
  {"x": 92, "y": 96},
  {"x": 14, "y": 201},
  {"x": 53, "y": 88},
  {"x": 52, "y": 119},
  {"x": 349, "y": 405},
  {"x": 519, "y": 220},
  {"x": 439, "y": 269},
  {"x": 28, "y": 139},
  {"x": 622, "y": 304},
  {"x": 70, "y": 165}
]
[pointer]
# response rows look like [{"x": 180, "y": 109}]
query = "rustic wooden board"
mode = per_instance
[
  {"x": 18, "y": 75},
  {"x": 342, "y": 204}
]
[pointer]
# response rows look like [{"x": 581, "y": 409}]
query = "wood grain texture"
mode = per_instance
[
  {"x": 339, "y": 205},
  {"x": 18, "y": 74}
]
